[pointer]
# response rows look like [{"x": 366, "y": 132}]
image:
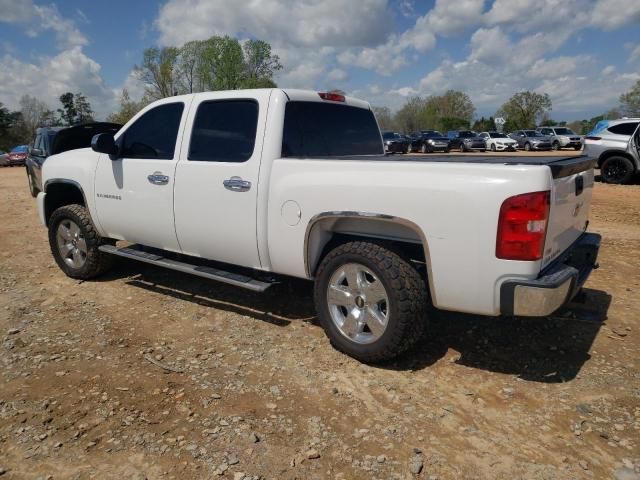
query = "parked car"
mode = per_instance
[
  {"x": 498, "y": 142},
  {"x": 609, "y": 144},
  {"x": 249, "y": 187},
  {"x": 394, "y": 142},
  {"x": 466, "y": 141},
  {"x": 52, "y": 140},
  {"x": 561, "y": 137},
  {"x": 429, "y": 141},
  {"x": 531, "y": 140},
  {"x": 18, "y": 155}
]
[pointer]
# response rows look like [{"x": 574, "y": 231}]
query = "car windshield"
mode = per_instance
[
  {"x": 432, "y": 135},
  {"x": 389, "y": 135},
  {"x": 497, "y": 135},
  {"x": 533, "y": 133},
  {"x": 564, "y": 131},
  {"x": 467, "y": 134}
]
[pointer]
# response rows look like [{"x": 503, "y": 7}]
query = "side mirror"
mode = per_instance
[
  {"x": 104, "y": 143},
  {"x": 36, "y": 152}
]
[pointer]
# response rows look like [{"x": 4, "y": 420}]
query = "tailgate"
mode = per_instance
[{"x": 570, "y": 204}]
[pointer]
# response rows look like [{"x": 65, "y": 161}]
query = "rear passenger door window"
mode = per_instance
[
  {"x": 624, "y": 128},
  {"x": 224, "y": 131}
]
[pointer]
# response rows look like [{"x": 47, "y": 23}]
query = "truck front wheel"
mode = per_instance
[
  {"x": 74, "y": 243},
  {"x": 370, "y": 301}
]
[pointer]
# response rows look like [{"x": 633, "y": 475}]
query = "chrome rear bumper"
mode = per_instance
[{"x": 556, "y": 285}]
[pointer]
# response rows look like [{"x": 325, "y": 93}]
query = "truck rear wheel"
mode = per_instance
[
  {"x": 370, "y": 302},
  {"x": 74, "y": 243}
]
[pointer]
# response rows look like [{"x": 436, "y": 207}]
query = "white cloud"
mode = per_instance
[
  {"x": 448, "y": 18},
  {"x": 558, "y": 66},
  {"x": 490, "y": 46},
  {"x": 337, "y": 75},
  {"x": 38, "y": 18},
  {"x": 610, "y": 14},
  {"x": 70, "y": 70},
  {"x": 634, "y": 56},
  {"x": 286, "y": 22},
  {"x": 609, "y": 70}
]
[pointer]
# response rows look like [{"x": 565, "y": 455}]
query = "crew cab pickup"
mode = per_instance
[{"x": 248, "y": 187}]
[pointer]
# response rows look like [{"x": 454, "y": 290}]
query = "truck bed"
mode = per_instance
[{"x": 561, "y": 166}]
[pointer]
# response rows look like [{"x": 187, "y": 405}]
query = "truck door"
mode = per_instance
[
  {"x": 216, "y": 186},
  {"x": 134, "y": 193}
]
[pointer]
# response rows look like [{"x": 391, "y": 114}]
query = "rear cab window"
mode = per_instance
[{"x": 316, "y": 129}]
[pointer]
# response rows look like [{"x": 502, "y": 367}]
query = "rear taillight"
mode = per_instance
[
  {"x": 522, "y": 226},
  {"x": 334, "y": 97},
  {"x": 593, "y": 138}
]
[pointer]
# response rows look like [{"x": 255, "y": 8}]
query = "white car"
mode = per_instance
[
  {"x": 499, "y": 142},
  {"x": 249, "y": 187}
]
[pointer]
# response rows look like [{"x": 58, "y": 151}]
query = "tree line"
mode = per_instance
[
  {"x": 18, "y": 127},
  {"x": 523, "y": 110},
  {"x": 217, "y": 63}
]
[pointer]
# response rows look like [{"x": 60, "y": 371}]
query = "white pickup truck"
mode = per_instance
[{"x": 248, "y": 187}]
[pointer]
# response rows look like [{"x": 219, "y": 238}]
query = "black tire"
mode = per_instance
[
  {"x": 463, "y": 147},
  {"x": 577, "y": 147},
  {"x": 527, "y": 147},
  {"x": 423, "y": 148},
  {"x": 407, "y": 305},
  {"x": 96, "y": 262},
  {"x": 493, "y": 147},
  {"x": 446, "y": 150},
  {"x": 617, "y": 170},
  {"x": 33, "y": 190},
  {"x": 555, "y": 146}
]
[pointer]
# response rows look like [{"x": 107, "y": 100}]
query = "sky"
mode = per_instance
[{"x": 583, "y": 53}]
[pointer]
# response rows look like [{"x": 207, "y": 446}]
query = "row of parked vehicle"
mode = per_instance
[{"x": 430, "y": 141}]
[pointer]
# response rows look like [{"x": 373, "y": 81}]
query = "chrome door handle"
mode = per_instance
[
  {"x": 157, "y": 178},
  {"x": 237, "y": 184}
]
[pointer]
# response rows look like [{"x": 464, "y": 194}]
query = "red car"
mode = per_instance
[{"x": 18, "y": 155}]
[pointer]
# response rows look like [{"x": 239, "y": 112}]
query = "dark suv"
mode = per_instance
[
  {"x": 52, "y": 140},
  {"x": 466, "y": 140}
]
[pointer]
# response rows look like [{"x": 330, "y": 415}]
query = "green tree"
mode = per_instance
[
  {"x": 35, "y": 114},
  {"x": 384, "y": 117},
  {"x": 68, "y": 112},
  {"x": 260, "y": 64},
  {"x": 484, "y": 125},
  {"x": 128, "y": 108},
  {"x": 524, "y": 109},
  {"x": 630, "y": 102},
  {"x": 158, "y": 72},
  {"x": 83, "y": 109},
  {"x": 408, "y": 118}
]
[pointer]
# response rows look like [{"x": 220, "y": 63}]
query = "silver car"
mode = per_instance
[
  {"x": 609, "y": 143},
  {"x": 531, "y": 140},
  {"x": 561, "y": 137}
]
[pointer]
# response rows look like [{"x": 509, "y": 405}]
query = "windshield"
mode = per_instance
[
  {"x": 467, "y": 134},
  {"x": 20, "y": 149},
  {"x": 497, "y": 135},
  {"x": 532, "y": 133},
  {"x": 432, "y": 135},
  {"x": 388, "y": 135},
  {"x": 564, "y": 131}
]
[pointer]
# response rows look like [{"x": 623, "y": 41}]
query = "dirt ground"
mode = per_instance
[{"x": 256, "y": 390}]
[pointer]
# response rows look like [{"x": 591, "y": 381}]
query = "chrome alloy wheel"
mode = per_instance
[
  {"x": 71, "y": 243},
  {"x": 358, "y": 303}
]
